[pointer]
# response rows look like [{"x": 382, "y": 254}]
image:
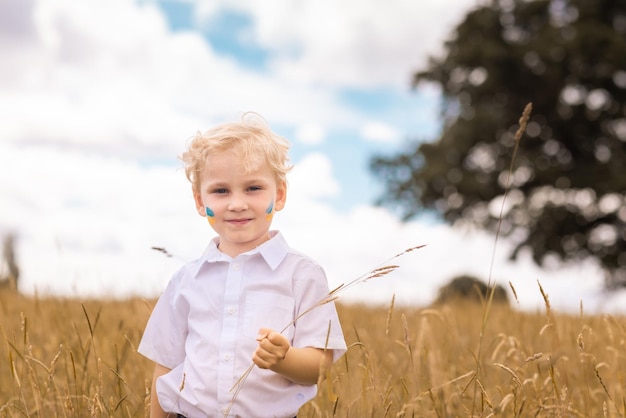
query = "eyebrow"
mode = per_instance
[{"x": 254, "y": 180}]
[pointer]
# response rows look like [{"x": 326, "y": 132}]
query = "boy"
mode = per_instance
[{"x": 233, "y": 307}]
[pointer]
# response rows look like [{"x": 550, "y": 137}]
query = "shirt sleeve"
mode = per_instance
[
  {"x": 318, "y": 326},
  {"x": 164, "y": 337}
]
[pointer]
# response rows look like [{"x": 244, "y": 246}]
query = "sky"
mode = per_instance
[{"x": 98, "y": 100}]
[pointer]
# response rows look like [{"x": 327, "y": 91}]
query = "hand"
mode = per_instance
[{"x": 272, "y": 348}]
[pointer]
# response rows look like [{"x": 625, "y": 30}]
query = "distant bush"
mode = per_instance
[{"x": 470, "y": 288}]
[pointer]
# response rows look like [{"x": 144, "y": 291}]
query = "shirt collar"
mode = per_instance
[{"x": 273, "y": 251}]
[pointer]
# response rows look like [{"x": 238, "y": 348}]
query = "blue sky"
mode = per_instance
[
  {"x": 99, "y": 98},
  {"x": 408, "y": 114}
]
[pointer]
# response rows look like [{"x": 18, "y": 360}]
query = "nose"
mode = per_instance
[{"x": 237, "y": 202}]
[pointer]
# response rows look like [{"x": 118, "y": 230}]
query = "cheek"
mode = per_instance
[
  {"x": 210, "y": 215},
  {"x": 269, "y": 212}
]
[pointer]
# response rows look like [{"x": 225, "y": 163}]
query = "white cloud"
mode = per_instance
[
  {"x": 314, "y": 178},
  {"x": 380, "y": 132},
  {"x": 86, "y": 224},
  {"x": 352, "y": 43},
  {"x": 92, "y": 91},
  {"x": 310, "y": 133},
  {"x": 83, "y": 84},
  {"x": 353, "y": 243},
  {"x": 136, "y": 89}
]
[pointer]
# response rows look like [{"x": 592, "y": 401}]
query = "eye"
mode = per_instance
[
  {"x": 255, "y": 188},
  {"x": 219, "y": 191}
]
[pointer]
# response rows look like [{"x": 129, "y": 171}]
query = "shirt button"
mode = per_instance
[
  {"x": 224, "y": 411},
  {"x": 236, "y": 266},
  {"x": 227, "y": 357},
  {"x": 231, "y": 310}
]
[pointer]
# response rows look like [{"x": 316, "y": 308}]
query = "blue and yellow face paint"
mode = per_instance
[
  {"x": 210, "y": 215},
  {"x": 269, "y": 212}
]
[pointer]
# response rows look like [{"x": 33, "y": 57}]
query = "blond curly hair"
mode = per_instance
[{"x": 251, "y": 139}]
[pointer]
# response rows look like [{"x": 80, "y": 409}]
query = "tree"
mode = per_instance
[
  {"x": 470, "y": 289},
  {"x": 567, "y": 188}
]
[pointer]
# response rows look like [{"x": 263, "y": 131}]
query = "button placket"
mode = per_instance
[{"x": 228, "y": 335}]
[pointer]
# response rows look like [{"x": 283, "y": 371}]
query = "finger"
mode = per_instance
[
  {"x": 265, "y": 358},
  {"x": 277, "y": 339},
  {"x": 276, "y": 350},
  {"x": 260, "y": 362},
  {"x": 263, "y": 333}
]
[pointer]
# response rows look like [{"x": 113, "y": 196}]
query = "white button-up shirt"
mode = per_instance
[{"x": 204, "y": 328}]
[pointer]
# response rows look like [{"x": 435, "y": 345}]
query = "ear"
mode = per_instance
[
  {"x": 199, "y": 204},
  {"x": 281, "y": 196}
]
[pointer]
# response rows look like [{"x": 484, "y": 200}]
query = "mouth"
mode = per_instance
[{"x": 239, "y": 221}]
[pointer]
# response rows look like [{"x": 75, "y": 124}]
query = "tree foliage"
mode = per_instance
[{"x": 567, "y": 194}]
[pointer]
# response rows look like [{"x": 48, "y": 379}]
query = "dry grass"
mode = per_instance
[
  {"x": 66, "y": 358},
  {"x": 425, "y": 364}
]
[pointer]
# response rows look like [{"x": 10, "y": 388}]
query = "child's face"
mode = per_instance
[{"x": 239, "y": 206}]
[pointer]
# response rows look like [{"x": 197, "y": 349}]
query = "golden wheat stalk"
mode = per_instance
[
  {"x": 523, "y": 122},
  {"x": 383, "y": 269}
]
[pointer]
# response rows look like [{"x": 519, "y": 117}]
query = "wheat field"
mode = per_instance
[{"x": 73, "y": 358}]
